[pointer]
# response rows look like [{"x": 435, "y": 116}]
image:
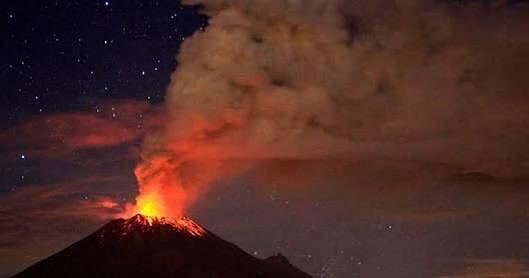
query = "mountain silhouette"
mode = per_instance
[{"x": 144, "y": 246}]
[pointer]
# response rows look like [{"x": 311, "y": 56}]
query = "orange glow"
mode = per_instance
[
  {"x": 108, "y": 203},
  {"x": 145, "y": 223},
  {"x": 150, "y": 205},
  {"x": 161, "y": 191},
  {"x": 171, "y": 177},
  {"x": 190, "y": 226}
]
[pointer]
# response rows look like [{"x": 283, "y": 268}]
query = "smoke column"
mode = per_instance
[{"x": 290, "y": 79}]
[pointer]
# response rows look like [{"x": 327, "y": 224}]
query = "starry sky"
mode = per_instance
[
  {"x": 83, "y": 81},
  {"x": 75, "y": 68}
]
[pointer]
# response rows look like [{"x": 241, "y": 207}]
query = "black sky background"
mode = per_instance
[{"x": 64, "y": 52}]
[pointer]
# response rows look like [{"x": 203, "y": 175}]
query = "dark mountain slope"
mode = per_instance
[{"x": 157, "y": 247}]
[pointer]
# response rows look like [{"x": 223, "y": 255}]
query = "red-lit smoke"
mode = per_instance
[{"x": 339, "y": 79}]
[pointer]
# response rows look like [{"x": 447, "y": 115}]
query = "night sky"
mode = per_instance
[
  {"x": 422, "y": 187},
  {"x": 101, "y": 61},
  {"x": 59, "y": 55}
]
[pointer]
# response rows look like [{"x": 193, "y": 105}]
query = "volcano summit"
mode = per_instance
[{"x": 157, "y": 247}]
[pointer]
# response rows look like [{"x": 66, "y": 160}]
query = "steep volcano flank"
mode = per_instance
[{"x": 156, "y": 247}]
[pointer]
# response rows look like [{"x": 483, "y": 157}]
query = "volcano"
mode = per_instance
[{"x": 144, "y": 246}]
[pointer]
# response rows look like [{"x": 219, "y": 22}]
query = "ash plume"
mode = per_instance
[{"x": 426, "y": 80}]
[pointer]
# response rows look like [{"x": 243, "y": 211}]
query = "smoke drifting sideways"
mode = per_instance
[{"x": 307, "y": 80}]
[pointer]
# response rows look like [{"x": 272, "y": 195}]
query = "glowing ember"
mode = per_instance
[
  {"x": 107, "y": 203},
  {"x": 146, "y": 223},
  {"x": 190, "y": 226},
  {"x": 150, "y": 205},
  {"x": 161, "y": 190}
]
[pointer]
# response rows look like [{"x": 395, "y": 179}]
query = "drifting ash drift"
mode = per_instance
[{"x": 158, "y": 247}]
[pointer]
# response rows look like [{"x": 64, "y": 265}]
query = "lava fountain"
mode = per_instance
[
  {"x": 161, "y": 191},
  {"x": 168, "y": 186}
]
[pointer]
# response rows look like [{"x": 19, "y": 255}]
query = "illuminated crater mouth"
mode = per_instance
[{"x": 147, "y": 223}]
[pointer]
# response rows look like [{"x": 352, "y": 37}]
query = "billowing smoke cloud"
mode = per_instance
[{"x": 422, "y": 80}]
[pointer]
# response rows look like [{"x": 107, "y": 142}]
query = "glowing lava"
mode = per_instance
[
  {"x": 150, "y": 205},
  {"x": 149, "y": 223},
  {"x": 161, "y": 189}
]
